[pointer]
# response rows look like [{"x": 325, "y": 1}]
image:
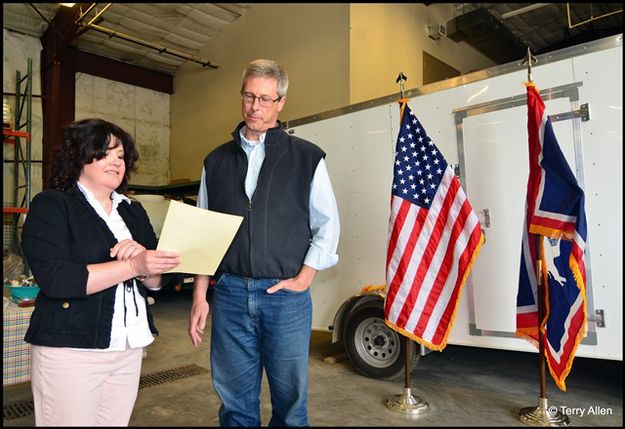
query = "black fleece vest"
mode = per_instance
[{"x": 275, "y": 233}]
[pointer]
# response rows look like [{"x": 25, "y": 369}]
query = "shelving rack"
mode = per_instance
[{"x": 20, "y": 137}]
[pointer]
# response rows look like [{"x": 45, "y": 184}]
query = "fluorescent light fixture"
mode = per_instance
[{"x": 67, "y": 4}]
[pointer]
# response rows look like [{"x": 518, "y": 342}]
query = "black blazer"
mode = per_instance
[{"x": 61, "y": 235}]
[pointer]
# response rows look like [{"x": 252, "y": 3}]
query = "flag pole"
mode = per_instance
[
  {"x": 405, "y": 402},
  {"x": 543, "y": 414}
]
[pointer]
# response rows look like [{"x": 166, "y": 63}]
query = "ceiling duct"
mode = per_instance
[{"x": 482, "y": 30}]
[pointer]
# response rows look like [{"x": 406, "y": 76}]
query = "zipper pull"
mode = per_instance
[{"x": 249, "y": 206}]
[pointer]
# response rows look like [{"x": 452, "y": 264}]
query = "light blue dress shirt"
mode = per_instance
[{"x": 324, "y": 214}]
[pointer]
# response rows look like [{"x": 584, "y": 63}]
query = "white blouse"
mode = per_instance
[{"x": 134, "y": 331}]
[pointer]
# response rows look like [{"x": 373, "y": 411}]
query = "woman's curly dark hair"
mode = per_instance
[{"x": 84, "y": 141}]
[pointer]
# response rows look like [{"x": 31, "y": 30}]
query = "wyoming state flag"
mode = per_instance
[{"x": 555, "y": 213}]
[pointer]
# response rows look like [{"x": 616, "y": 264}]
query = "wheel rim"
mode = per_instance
[{"x": 376, "y": 343}]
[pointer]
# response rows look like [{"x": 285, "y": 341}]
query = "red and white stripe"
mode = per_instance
[{"x": 430, "y": 251}]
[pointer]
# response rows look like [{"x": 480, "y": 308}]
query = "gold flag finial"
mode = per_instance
[{"x": 529, "y": 60}]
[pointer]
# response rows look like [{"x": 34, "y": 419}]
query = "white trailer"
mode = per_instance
[{"x": 479, "y": 122}]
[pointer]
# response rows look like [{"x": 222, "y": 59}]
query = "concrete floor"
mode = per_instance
[{"x": 464, "y": 386}]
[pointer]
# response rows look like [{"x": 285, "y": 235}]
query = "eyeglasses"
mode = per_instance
[{"x": 263, "y": 100}]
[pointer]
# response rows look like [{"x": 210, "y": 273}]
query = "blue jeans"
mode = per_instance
[{"x": 252, "y": 330}]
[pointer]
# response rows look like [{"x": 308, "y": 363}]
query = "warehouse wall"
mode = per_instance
[
  {"x": 310, "y": 41},
  {"x": 143, "y": 113},
  {"x": 335, "y": 55},
  {"x": 386, "y": 39}
]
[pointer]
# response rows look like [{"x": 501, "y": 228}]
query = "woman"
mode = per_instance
[{"x": 90, "y": 249}]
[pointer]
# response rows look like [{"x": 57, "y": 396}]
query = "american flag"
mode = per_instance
[
  {"x": 434, "y": 239},
  {"x": 554, "y": 209}
]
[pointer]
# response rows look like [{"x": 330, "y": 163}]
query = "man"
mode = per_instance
[{"x": 262, "y": 310}]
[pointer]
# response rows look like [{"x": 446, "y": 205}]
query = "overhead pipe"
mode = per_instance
[
  {"x": 159, "y": 48},
  {"x": 83, "y": 14},
  {"x": 592, "y": 18},
  {"x": 523, "y": 10},
  {"x": 98, "y": 14}
]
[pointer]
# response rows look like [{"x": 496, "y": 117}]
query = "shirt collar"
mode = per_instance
[
  {"x": 250, "y": 143},
  {"x": 115, "y": 197}
]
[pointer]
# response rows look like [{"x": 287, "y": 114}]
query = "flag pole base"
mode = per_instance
[
  {"x": 407, "y": 404},
  {"x": 543, "y": 415}
]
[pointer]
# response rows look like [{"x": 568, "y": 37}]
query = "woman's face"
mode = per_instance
[{"x": 105, "y": 174}]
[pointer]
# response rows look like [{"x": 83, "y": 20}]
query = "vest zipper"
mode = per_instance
[{"x": 249, "y": 235}]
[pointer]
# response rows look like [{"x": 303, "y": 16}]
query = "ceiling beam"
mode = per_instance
[
  {"x": 60, "y": 33},
  {"x": 58, "y": 82},
  {"x": 58, "y": 94},
  {"x": 118, "y": 71}
]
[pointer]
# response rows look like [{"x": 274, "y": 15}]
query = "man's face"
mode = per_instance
[{"x": 259, "y": 119}]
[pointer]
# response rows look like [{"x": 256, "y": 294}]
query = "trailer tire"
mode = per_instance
[{"x": 374, "y": 349}]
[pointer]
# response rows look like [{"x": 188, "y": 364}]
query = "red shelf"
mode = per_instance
[
  {"x": 11, "y": 133},
  {"x": 14, "y": 210}
]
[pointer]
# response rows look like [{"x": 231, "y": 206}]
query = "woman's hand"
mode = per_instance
[
  {"x": 145, "y": 262},
  {"x": 149, "y": 262},
  {"x": 133, "y": 260},
  {"x": 126, "y": 249}
]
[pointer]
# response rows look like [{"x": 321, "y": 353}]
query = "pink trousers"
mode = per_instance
[{"x": 84, "y": 388}]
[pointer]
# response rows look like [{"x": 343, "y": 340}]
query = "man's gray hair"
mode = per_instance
[{"x": 267, "y": 68}]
